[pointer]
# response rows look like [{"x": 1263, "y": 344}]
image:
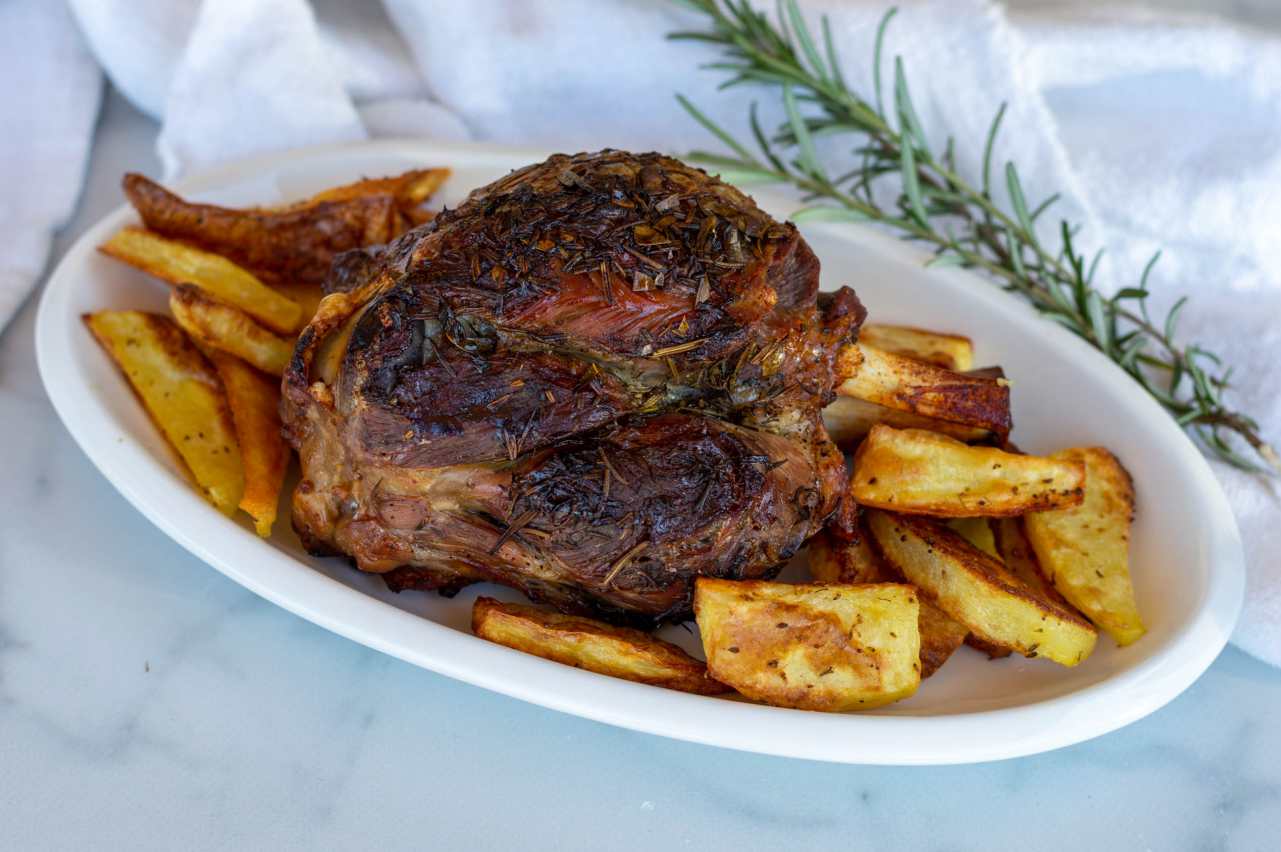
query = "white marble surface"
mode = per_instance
[{"x": 147, "y": 702}]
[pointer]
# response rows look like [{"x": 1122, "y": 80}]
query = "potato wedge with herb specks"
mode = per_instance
[
  {"x": 592, "y": 645},
  {"x": 950, "y": 351},
  {"x": 977, "y": 591},
  {"x": 815, "y": 647},
  {"x": 848, "y": 421},
  {"x": 978, "y": 532},
  {"x": 1016, "y": 552},
  {"x": 925, "y": 390},
  {"x": 179, "y": 263},
  {"x": 220, "y": 326},
  {"x": 182, "y": 394},
  {"x": 1085, "y": 551},
  {"x": 255, "y": 404},
  {"x": 832, "y": 560},
  {"x": 922, "y": 473}
]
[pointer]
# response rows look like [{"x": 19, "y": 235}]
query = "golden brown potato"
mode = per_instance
[
  {"x": 950, "y": 351},
  {"x": 411, "y": 190},
  {"x": 922, "y": 473},
  {"x": 978, "y": 532},
  {"x": 832, "y": 560},
  {"x": 811, "y": 647},
  {"x": 851, "y": 562},
  {"x": 925, "y": 390},
  {"x": 848, "y": 421},
  {"x": 295, "y": 243},
  {"x": 306, "y": 296},
  {"x": 255, "y": 404},
  {"x": 179, "y": 263},
  {"x": 977, "y": 591},
  {"x": 220, "y": 326},
  {"x": 181, "y": 393},
  {"x": 592, "y": 645},
  {"x": 1016, "y": 552},
  {"x": 1084, "y": 551}
]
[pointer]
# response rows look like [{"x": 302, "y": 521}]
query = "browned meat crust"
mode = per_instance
[{"x": 597, "y": 379}]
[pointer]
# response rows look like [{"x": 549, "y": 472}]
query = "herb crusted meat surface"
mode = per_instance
[{"x": 598, "y": 378}]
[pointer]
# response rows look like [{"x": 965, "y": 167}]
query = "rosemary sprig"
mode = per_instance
[{"x": 965, "y": 225}]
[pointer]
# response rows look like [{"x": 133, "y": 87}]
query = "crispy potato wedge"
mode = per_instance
[
  {"x": 815, "y": 647},
  {"x": 849, "y": 562},
  {"x": 848, "y": 421},
  {"x": 411, "y": 191},
  {"x": 296, "y": 243},
  {"x": 976, "y": 590},
  {"x": 925, "y": 390},
  {"x": 255, "y": 409},
  {"x": 182, "y": 394},
  {"x": 1084, "y": 551},
  {"x": 220, "y": 326},
  {"x": 593, "y": 645},
  {"x": 910, "y": 470},
  {"x": 978, "y": 532},
  {"x": 179, "y": 263},
  {"x": 307, "y": 297},
  {"x": 856, "y": 561},
  {"x": 1020, "y": 560},
  {"x": 950, "y": 351}
]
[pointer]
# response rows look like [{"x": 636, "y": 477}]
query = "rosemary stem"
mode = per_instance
[{"x": 963, "y": 224}]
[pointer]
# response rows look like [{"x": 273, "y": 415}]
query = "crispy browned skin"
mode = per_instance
[
  {"x": 959, "y": 402},
  {"x": 597, "y": 379},
  {"x": 593, "y": 645},
  {"x": 976, "y": 590},
  {"x": 295, "y": 243}
]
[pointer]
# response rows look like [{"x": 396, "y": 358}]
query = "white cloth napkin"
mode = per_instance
[
  {"x": 49, "y": 91},
  {"x": 1160, "y": 131}
]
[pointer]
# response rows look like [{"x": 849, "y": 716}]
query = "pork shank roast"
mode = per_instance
[{"x": 597, "y": 379}]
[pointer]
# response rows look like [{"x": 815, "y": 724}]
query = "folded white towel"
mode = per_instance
[
  {"x": 1160, "y": 131},
  {"x": 50, "y": 91}
]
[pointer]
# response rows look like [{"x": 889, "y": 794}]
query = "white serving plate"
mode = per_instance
[{"x": 1187, "y": 560}]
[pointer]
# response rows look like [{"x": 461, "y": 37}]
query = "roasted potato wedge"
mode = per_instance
[
  {"x": 411, "y": 190},
  {"x": 910, "y": 470},
  {"x": 976, "y": 590},
  {"x": 593, "y": 645},
  {"x": 296, "y": 243},
  {"x": 182, "y": 394},
  {"x": 811, "y": 647},
  {"x": 255, "y": 404},
  {"x": 978, "y": 532},
  {"x": 925, "y": 390},
  {"x": 848, "y": 421},
  {"x": 179, "y": 263},
  {"x": 950, "y": 351},
  {"x": 220, "y": 326},
  {"x": 307, "y": 297},
  {"x": 850, "y": 562},
  {"x": 834, "y": 561},
  {"x": 1020, "y": 560},
  {"x": 1084, "y": 550}
]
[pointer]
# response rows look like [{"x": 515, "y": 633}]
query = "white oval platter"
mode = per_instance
[{"x": 1186, "y": 552}]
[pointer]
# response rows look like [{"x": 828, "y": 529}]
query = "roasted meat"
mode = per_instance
[{"x": 595, "y": 380}]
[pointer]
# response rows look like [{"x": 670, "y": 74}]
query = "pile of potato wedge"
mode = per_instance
[
  {"x": 949, "y": 535},
  {"x": 245, "y": 282}
]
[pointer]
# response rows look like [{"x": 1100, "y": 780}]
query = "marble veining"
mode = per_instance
[{"x": 147, "y": 702}]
